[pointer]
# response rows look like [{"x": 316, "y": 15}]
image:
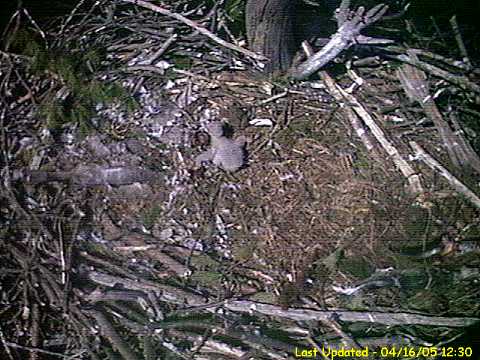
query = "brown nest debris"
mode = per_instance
[{"x": 329, "y": 229}]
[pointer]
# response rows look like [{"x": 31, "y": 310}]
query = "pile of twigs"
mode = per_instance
[{"x": 68, "y": 287}]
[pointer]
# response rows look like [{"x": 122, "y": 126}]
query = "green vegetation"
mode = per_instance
[
  {"x": 73, "y": 90},
  {"x": 151, "y": 215},
  {"x": 235, "y": 10}
]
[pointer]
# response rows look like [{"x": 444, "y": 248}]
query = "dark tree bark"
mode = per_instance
[{"x": 270, "y": 25}]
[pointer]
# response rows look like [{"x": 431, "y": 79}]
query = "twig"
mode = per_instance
[
  {"x": 274, "y": 98},
  {"x": 153, "y": 58},
  {"x": 35, "y": 25},
  {"x": 414, "y": 82},
  {"x": 458, "y": 38},
  {"x": 9, "y": 194},
  {"x": 167, "y": 293},
  {"x": 35, "y": 330},
  {"x": 405, "y": 168},
  {"x": 346, "y": 339},
  {"x": 197, "y": 27},
  {"x": 428, "y": 54},
  {"x": 33, "y": 349},
  {"x": 162, "y": 49},
  {"x": 466, "y": 148},
  {"x": 354, "y": 120},
  {"x": 5, "y": 345},
  {"x": 315, "y": 345},
  {"x": 112, "y": 335},
  {"x": 71, "y": 15}
]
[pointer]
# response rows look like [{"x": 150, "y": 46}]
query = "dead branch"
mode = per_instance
[
  {"x": 464, "y": 145},
  {"x": 385, "y": 318},
  {"x": 415, "y": 84},
  {"x": 197, "y": 27},
  {"x": 408, "y": 172},
  {"x": 460, "y": 80},
  {"x": 168, "y": 292},
  {"x": 8, "y": 344},
  {"x": 350, "y": 23},
  {"x": 88, "y": 176},
  {"x": 458, "y": 37},
  {"x": 450, "y": 62},
  {"x": 113, "y": 336},
  {"x": 435, "y": 165},
  {"x": 351, "y": 115},
  {"x": 53, "y": 256}
]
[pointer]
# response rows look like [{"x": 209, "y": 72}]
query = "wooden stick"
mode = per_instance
[
  {"x": 415, "y": 185},
  {"x": 197, "y": 27},
  {"x": 435, "y": 165}
]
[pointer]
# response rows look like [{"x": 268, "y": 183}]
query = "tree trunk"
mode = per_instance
[{"x": 270, "y": 31}]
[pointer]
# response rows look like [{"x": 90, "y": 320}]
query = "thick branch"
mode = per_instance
[
  {"x": 378, "y": 317},
  {"x": 347, "y": 34}
]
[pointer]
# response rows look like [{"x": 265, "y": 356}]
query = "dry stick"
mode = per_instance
[
  {"x": 179, "y": 296},
  {"x": 35, "y": 330},
  {"x": 9, "y": 194},
  {"x": 354, "y": 120},
  {"x": 112, "y": 335},
  {"x": 385, "y": 318},
  {"x": 311, "y": 340},
  {"x": 261, "y": 343},
  {"x": 197, "y": 27},
  {"x": 154, "y": 57},
  {"x": 460, "y": 80},
  {"x": 473, "y": 158},
  {"x": 35, "y": 25},
  {"x": 350, "y": 23},
  {"x": 428, "y": 54},
  {"x": 458, "y": 38},
  {"x": 414, "y": 83},
  {"x": 435, "y": 165},
  {"x": 169, "y": 262},
  {"x": 153, "y": 252},
  {"x": 228, "y": 351},
  {"x": 70, "y": 16},
  {"x": 167, "y": 293},
  {"x": 5, "y": 346},
  {"x": 346, "y": 339},
  {"x": 405, "y": 168},
  {"x": 32, "y": 349},
  {"x": 162, "y": 49}
]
